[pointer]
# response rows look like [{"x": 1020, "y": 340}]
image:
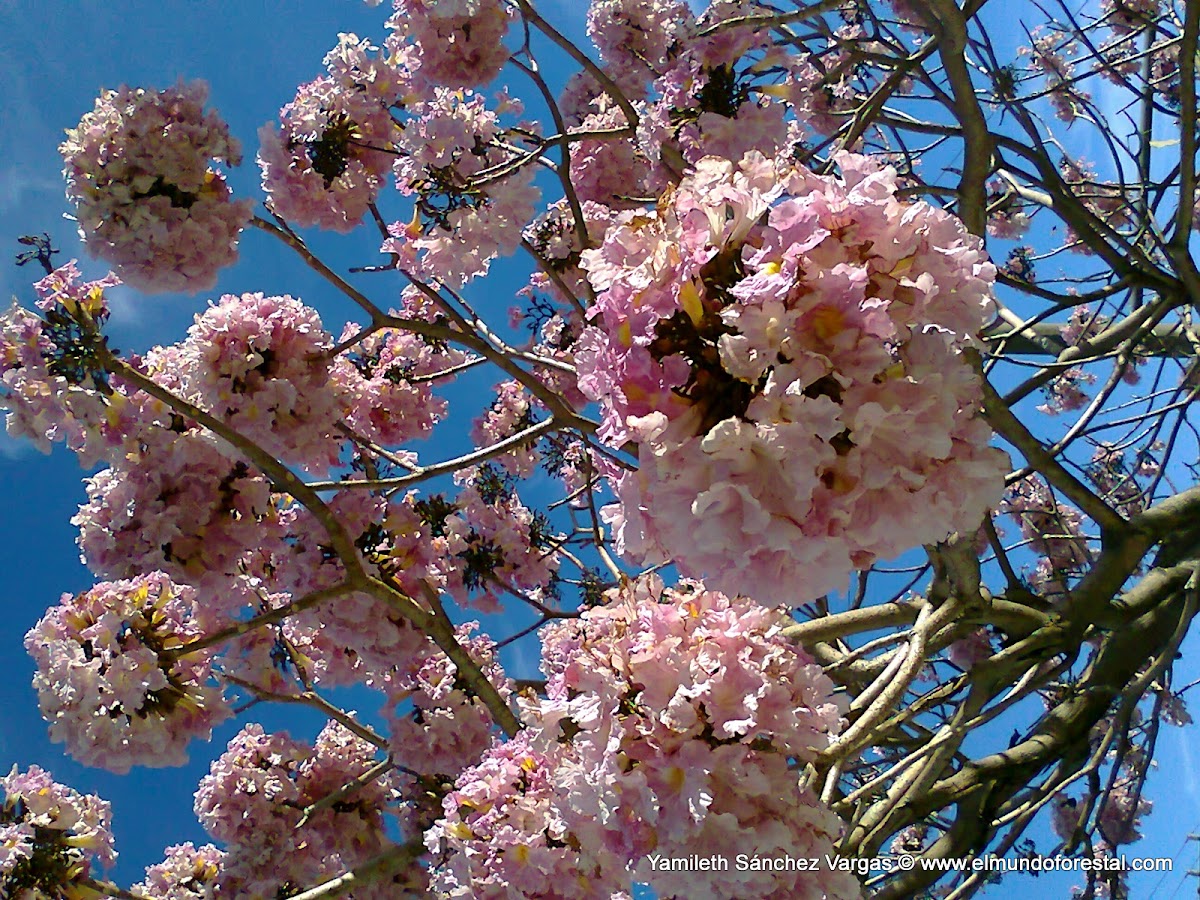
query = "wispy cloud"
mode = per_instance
[
  {"x": 19, "y": 184},
  {"x": 124, "y": 306},
  {"x": 14, "y": 449}
]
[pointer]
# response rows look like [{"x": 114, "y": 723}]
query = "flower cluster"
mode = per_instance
[
  {"x": 510, "y": 413},
  {"x": 387, "y": 379},
  {"x": 263, "y": 798},
  {"x": 281, "y": 659},
  {"x": 364, "y": 637},
  {"x": 1064, "y": 816},
  {"x": 722, "y": 89},
  {"x": 1054, "y": 531},
  {"x": 1007, "y": 219},
  {"x": 445, "y": 728},
  {"x": 1130, "y": 16},
  {"x": 1082, "y": 325},
  {"x": 50, "y": 378},
  {"x": 670, "y": 721},
  {"x": 1067, "y": 391},
  {"x": 1116, "y": 481},
  {"x": 705, "y": 109},
  {"x": 1120, "y": 816},
  {"x": 583, "y": 94},
  {"x": 187, "y": 873},
  {"x": 148, "y": 202},
  {"x": 261, "y": 364},
  {"x": 636, "y": 36},
  {"x": 182, "y": 503},
  {"x": 1052, "y": 55},
  {"x": 1174, "y": 709},
  {"x": 970, "y": 651},
  {"x": 50, "y": 835},
  {"x": 556, "y": 236},
  {"x": 61, "y": 290},
  {"x": 460, "y": 43},
  {"x": 606, "y": 170},
  {"x": 110, "y": 681},
  {"x": 472, "y": 199},
  {"x": 1109, "y": 202},
  {"x": 1140, "y": 38},
  {"x": 1108, "y": 880},
  {"x": 497, "y": 540},
  {"x": 327, "y": 160},
  {"x": 503, "y": 835},
  {"x": 786, "y": 351}
]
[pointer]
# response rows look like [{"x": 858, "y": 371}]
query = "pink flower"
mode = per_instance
[
  {"x": 148, "y": 202},
  {"x": 510, "y": 413},
  {"x": 668, "y": 724},
  {"x": 1054, "y": 530},
  {"x": 1064, "y": 816},
  {"x": 1120, "y": 815},
  {"x": 261, "y": 364},
  {"x": 325, "y": 163},
  {"x": 460, "y": 42},
  {"x": 637, "y": 35},
  {"x": 108, "y": 683},
  {"x": 448, "y": 728},
  {"x": 254, "y": 800},
  {"x": 968, "y": 652},
  {"x": 387, "y": 381},
  {"x": 786, "y": 351},
  {"x": 607, "y": 170},
  {"x": 187, "y": 873},
  {"x": 357, "y": 636},
  {"x": 497, "y": 540},
  {"x": 473, "y": 198},
  {"x": 51, "y": 381},
  {"x": 16, "y": 845},
  {"x": 180, "y": 503},
  {"x": 51, "y": 836}
]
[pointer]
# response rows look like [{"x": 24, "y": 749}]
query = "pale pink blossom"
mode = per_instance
[
  {"x": 1121, "y": 812},
  {"x": 51, "y": 380},
  {"x": 1054, "y": 530},
  {"x": 634, "y": 34},
  {"x": 109, "y": 683},
  {"x": 261, "y": 364},
  {"x": 327, "y": 160},
  {"x": 669, "y": 720},
  {"x": 148, "y": 201},
  {"x": 187, "y": 873},
  {"x": 448, "y": 727},
  {"x": 182, "y": 503},
  {"x": 473, "y": 197},
  {"x": 460, "y": 42},
  {"x": 254, "y": 800},
  {"x": 52, "y": 836},
  {"x": 785, "y": 350}
]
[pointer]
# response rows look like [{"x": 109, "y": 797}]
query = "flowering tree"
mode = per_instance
[{"x": 762, "y": 456}]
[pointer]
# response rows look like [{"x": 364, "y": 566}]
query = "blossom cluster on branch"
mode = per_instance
[
  {"x": 110, "y": 681},
  {"x": 148, "y": 200},
  {"x": 786, "y": 351},
  {"x": 51, "y": 836},
  {"x": 669, "y": 721}
]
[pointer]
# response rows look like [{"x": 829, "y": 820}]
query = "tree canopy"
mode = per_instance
[{"x": 835, "y": 452}]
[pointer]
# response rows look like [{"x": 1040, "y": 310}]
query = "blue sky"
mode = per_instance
[{"x": 54, "y": 59}]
